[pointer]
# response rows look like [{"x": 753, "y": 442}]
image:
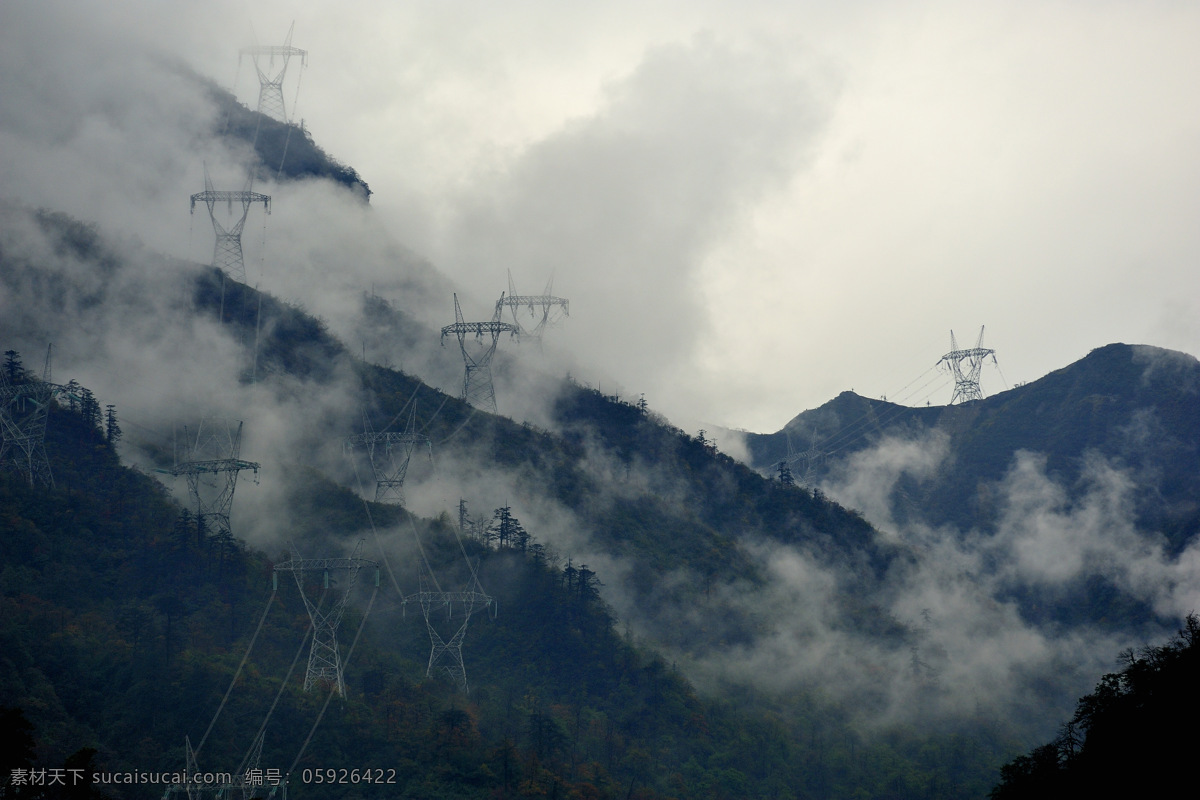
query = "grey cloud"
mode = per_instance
[{"x": 623, "y": 206}]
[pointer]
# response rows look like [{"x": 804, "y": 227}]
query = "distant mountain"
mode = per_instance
[
  {"x": 1137, "y": 405},
  {"x": 1123, "y": 423}
]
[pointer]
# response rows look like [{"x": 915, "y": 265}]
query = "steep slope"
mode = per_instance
[
  {"x": 1126, "y": 736},
  {"x": 678, "y": 537},
  {"x": 123, "y": 624},
  {"x": 281, "y": 150}
]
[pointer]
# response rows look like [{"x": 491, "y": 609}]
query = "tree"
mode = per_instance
[
  {"x": 73, "y": 393},
  {"x": 464, "y": 519},
  {"x": 588, "y": 585},
  {"x": 785, "y": 474},
  {"x": 112, "y": 430},
  {"x": 1136, "y": 731},
  {"x": 570, "y": 577},
  {"x": 506, "y": 530},
  {"x": 12, "y": 366},
  {"x": 89, "y": 406}
]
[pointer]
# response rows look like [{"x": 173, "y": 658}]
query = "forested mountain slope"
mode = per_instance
[
  {"x": 124, "y": 621},
  {"x": 1134, "y": 405},
  {"x": 1125, "y": 737}
]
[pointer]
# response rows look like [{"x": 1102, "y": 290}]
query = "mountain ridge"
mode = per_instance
[{"x": 1104, "y": 402}]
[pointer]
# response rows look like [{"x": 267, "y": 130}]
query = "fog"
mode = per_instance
[{"x": 696, "y": 164}]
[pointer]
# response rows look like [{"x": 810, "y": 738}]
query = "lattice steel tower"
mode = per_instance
[
  {"x": 211, "y": 466},
  {"x": 270, "y": 93},
  {"x": 477, "y": 380},
  {"x": 446, "y": 654},
  {"x": 966, "y": 382},
  {"x": 389, "y": 454},
  {"x": 540, "y": 307},
  {"x": 324, "y": 659},
  {"x": 227, "y": 252},
  {"x": 805, "y": 462},
  {"x": 24, "y": 407}
]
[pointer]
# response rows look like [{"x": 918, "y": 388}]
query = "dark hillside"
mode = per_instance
[
  {"x": 716, "y": 507},
  {"x": 1131, "y": 404},
  {"x": 723, "y": 500},
  {"x": 283, "y": 150},
  {"x": 123, "y": 624},
  {"x": 1127, "y": 737}
]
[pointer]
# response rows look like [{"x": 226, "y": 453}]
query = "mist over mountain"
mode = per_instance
[
  {"x": 678, "y": 624},
  {"x": 1129, "y": 405},
  {"x": 1081, "y": 485},
  {"x": 693, "y": 553}
]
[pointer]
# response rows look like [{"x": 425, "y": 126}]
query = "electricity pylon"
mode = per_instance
[
  {"x": 477, "y": 380},
  {"x": 270, "y": 92},
  {"x": 24, "y": 406},
  {"x": 241, "y": 783},
  {"x": 446, "y": 654},
  {"x": 806, "y": 462},
  {"x": 324, "y": 660},
  {"x": 389, "y": 454},
  {"x": 227, "y": 252},
  {"x": 211, "y": 465},
  {"x": 540, "y": 308},
  {"x": 966, "y": 382}
]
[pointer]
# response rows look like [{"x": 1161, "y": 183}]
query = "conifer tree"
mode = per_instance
[
  {"x": 507, "y": 531},
  {"x": 112, "y": 430},
  {"x": 588, "y": 586},
  {"x": 464, "y": 519},
  {"x": 12, "y": 366},
  {"x": 73, "y": 394},
  {"x": 570, "y": 575},
  {"x": 89, "y": 406}
]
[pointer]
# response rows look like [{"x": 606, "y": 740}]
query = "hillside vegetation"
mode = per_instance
[{"x": 123, "y": 623}]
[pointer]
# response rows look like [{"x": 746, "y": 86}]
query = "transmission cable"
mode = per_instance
[
  {"x": 332, "y": 690},
  {"x": 238, "y": 673},
  {"x": 290, "y": 125},
  {"x": 282, "y": 686}
]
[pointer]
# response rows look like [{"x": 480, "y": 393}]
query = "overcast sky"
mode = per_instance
[{"x": 754, "y": 206}]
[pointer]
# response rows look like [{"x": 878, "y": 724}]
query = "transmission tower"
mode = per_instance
[
  {"x": 540, "y": 307},
  {"x": 805, "y": 463},
  {"x": 270, "y": 81},
  {"x": 211, "y": 466},
  {"x": 24, "y": 406},
  {"x": 242, "y": 782},
  {"x": 446, "y": 654},
  {"x": 227, "y": 252},
  {"x": 389, "y": 454},
  {"x": 324, "y": 660},
  {"x": 477, "y": 381},
  {"x": 966, "y": 382}
]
